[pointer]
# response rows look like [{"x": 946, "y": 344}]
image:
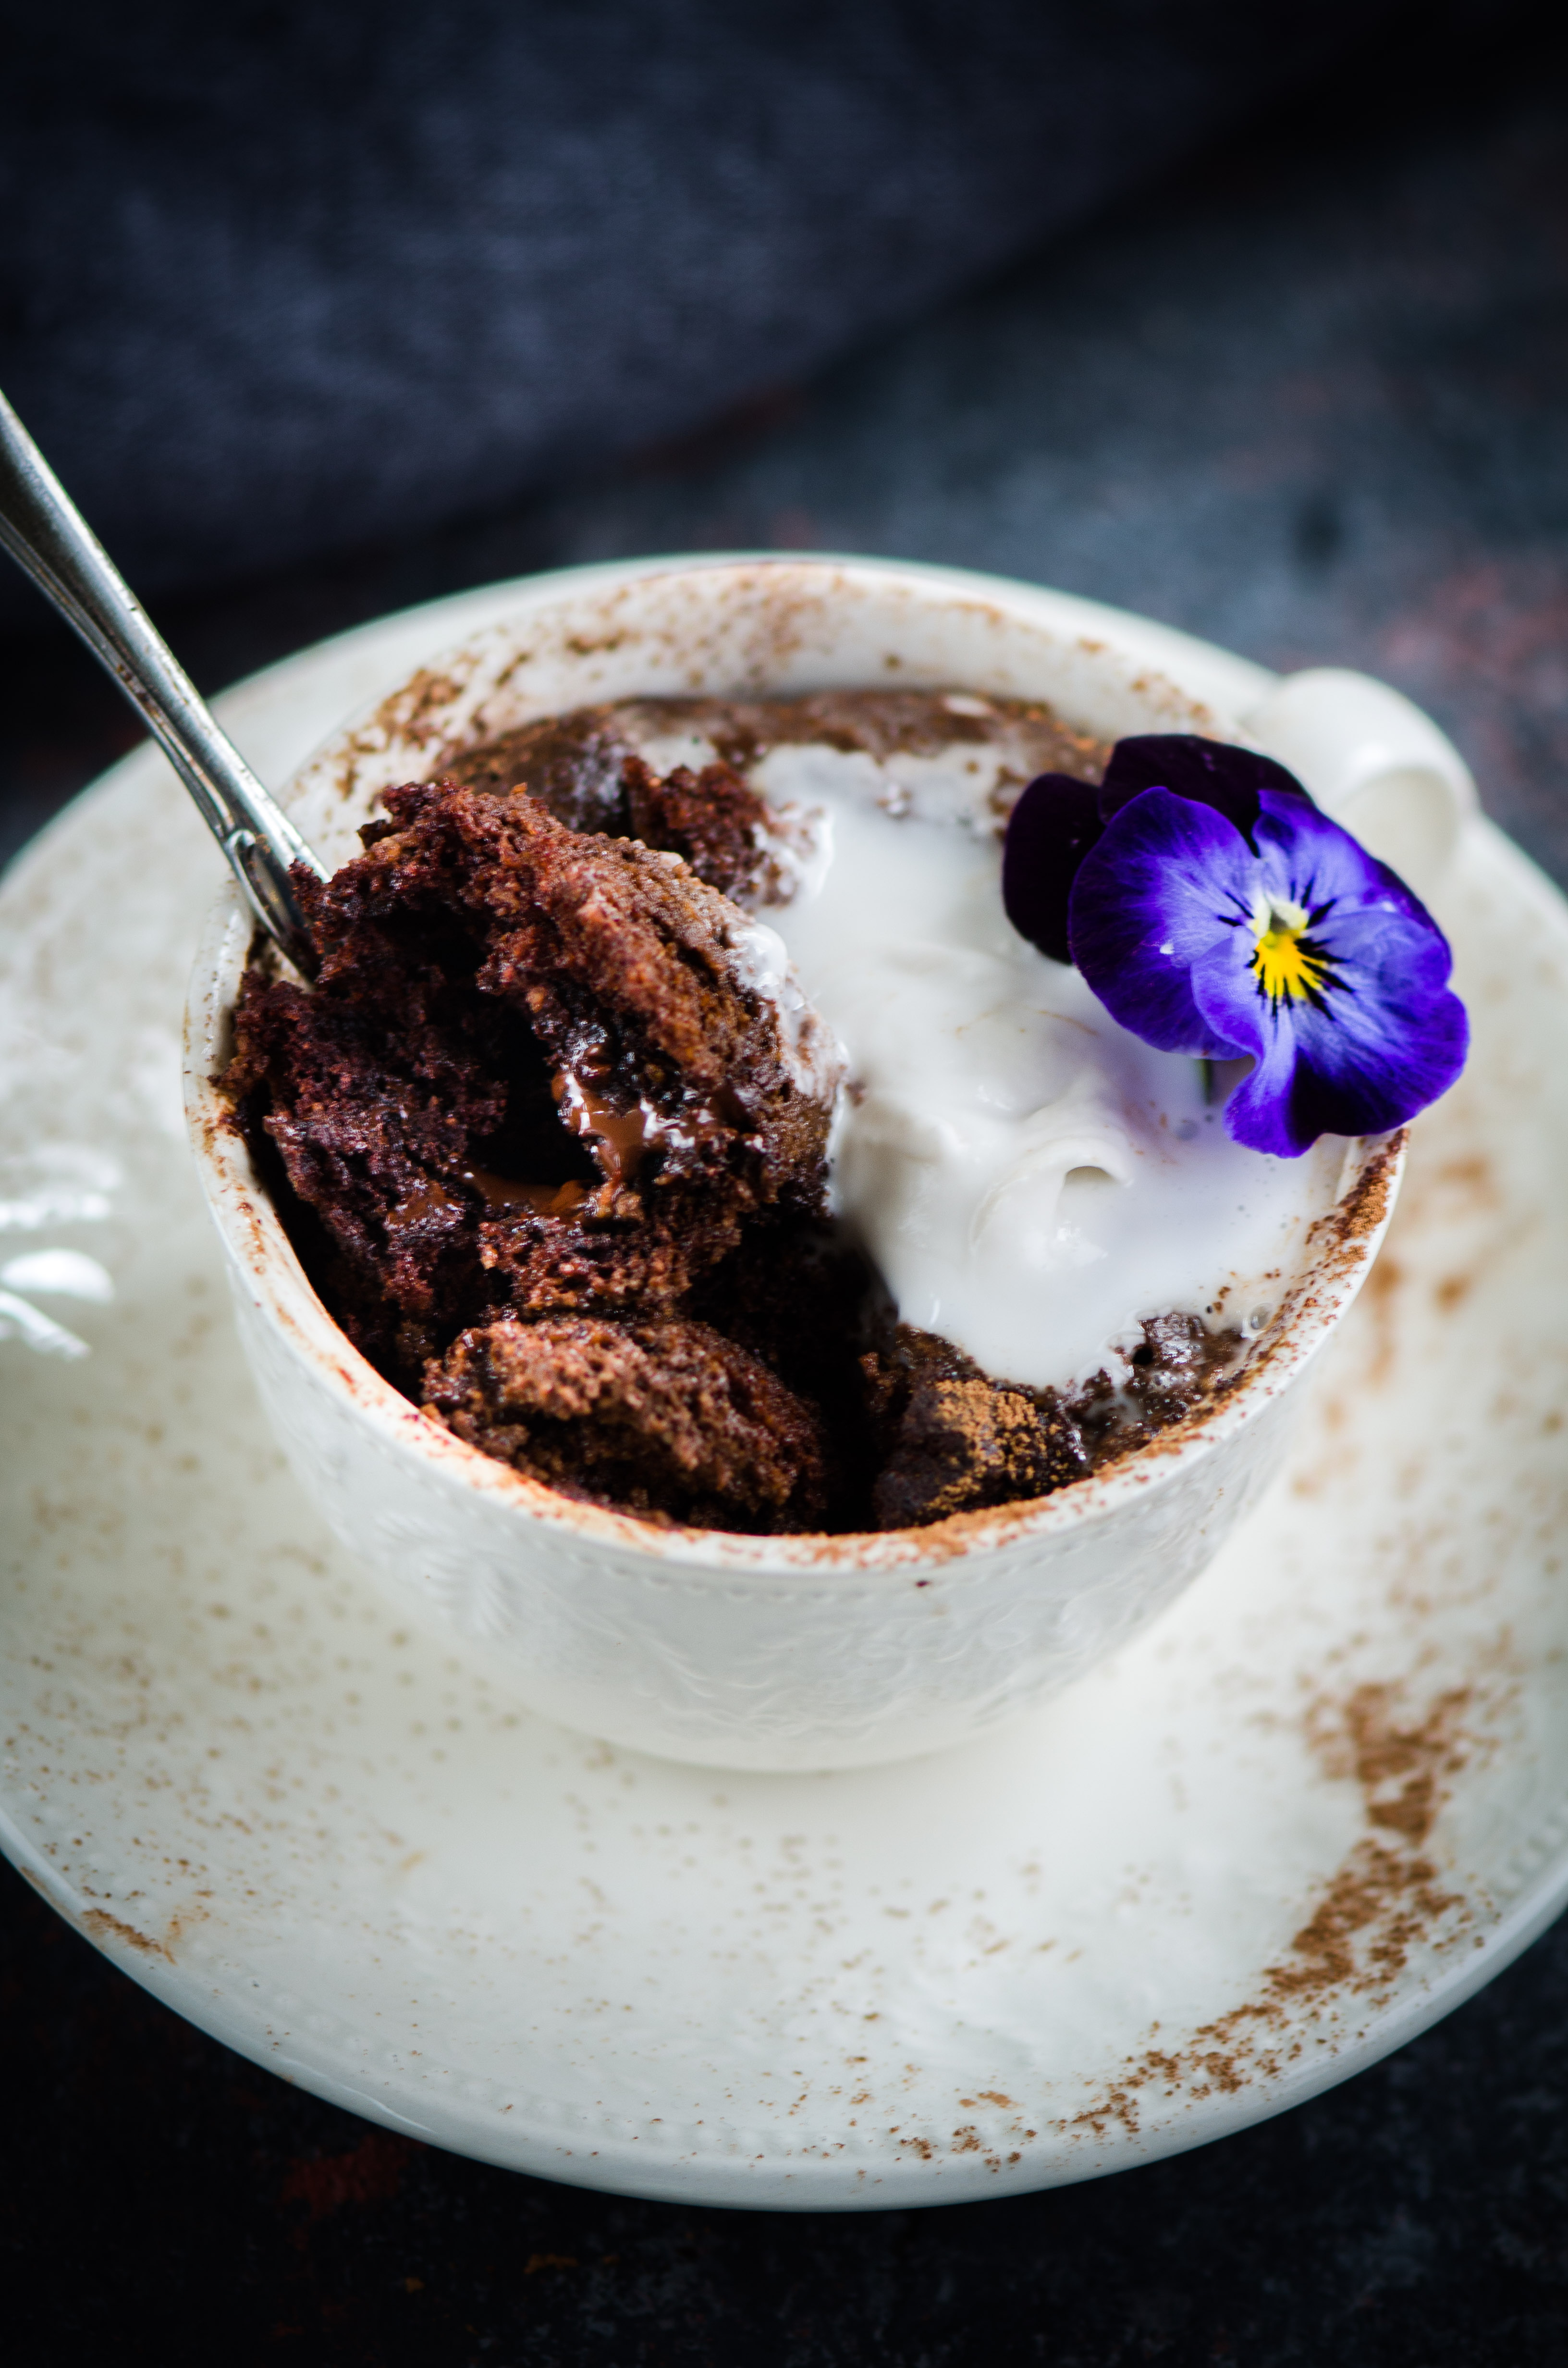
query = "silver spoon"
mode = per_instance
[{"x": 47, "y": 535}]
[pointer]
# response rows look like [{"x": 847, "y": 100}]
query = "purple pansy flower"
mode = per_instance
[
  {"x": 1215, "y": 911},
  {"x": 1057, "y": 819}
]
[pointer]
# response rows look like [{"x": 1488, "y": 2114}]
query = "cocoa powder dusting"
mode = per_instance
[{"x": 1385, "y": 1899}]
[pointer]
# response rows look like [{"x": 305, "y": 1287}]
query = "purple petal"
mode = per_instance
[
  {"x": 1380, "y": 962},
  {"x": 1390, "y": 1038},
  {"x": 1170, "y": 884},
  {"x": 1310, "y": 1082},
  {"x": 1316, "y": 862},
  {"x": 1210, "y": 772},
  {"x": 1049, "y": 830},
  {"x": 1384, "y": 1038},
  {"x": 1258, "y": 1112}
]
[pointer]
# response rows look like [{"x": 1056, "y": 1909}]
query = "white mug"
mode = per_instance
[{"x": 770, "y": 1652}]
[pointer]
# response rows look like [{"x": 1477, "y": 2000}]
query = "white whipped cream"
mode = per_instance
[
  {"x": 1030, "y": 1179},
  {"x": 810, "y": 1058}
]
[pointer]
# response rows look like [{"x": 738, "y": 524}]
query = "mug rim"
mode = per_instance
[{"x": 1343, "y": 1244}]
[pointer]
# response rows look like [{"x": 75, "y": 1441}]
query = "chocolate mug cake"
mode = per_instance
[{"x": 676, "y": 1118}]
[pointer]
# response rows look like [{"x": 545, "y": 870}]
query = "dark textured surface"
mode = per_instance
[
  {"x": 1310, "y": 401},
  {"x": 275, "y": 278}
]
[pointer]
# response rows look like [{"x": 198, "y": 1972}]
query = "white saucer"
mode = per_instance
[{"x": 1316, "y": 1806}]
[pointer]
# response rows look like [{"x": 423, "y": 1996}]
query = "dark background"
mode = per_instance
[{"x": 1275, "y": 346}]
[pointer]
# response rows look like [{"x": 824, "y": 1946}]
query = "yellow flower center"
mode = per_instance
[{"x": 1287, "y": 964}]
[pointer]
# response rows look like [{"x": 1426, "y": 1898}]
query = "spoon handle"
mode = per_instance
[{"x": 46, "y": 534}]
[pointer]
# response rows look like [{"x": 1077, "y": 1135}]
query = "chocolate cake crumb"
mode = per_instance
[
  {"x": 666, "y": 1418},
  {"x": 1178, "y": 1367},
  {"x": 588, "y": 766},
  {"x": 953, "y": 1440},
  {"x": 536, "y": 1072},
  {"x": 712, "y": 819},
  {"x": 882, "y": 724},
  {"x": 572, "y": 764}
]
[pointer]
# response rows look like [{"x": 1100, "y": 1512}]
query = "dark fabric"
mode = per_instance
[{"x": 279, "y": 279}]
